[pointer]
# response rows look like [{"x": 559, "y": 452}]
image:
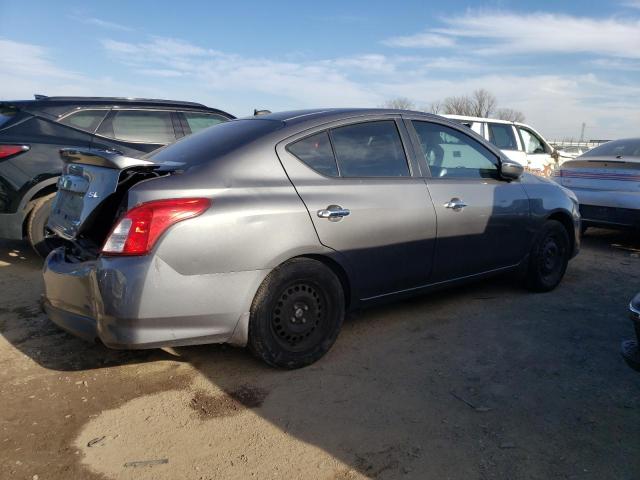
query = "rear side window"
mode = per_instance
[
  {"x": 141, "y": 126},
  {"x": 371, "y": 149},
  {"x": 501, "y": 135},
  {"x": 6, "y": 114},
  {"x": 214, "y": 143},
  {"x": 87, "y": 120},
  {"x": 315, "y": 151},
  {"x": 200, "y": 121}
]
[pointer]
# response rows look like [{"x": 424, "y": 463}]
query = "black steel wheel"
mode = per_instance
[
  {"x": 296, "y": 314},
  {"x": 298, "y": 318},
  {"x": 549, "y": 257}
]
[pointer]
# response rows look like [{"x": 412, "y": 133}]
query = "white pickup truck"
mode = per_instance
[{"x": 518, "y": 141}]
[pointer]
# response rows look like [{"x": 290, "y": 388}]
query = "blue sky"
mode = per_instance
[{"x": 560, "y": 63}]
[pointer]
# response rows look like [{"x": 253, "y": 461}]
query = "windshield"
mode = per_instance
[
  {"x": 629, "y": 147},
  {"x": 215, "y": 141}
]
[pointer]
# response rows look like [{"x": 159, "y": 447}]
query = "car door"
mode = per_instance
[
  {"x": 367, "y": 202},
  {"x": 482, "y": 220},
  {"x": 538, "y": 152},
  {"x": 504, "y": 136},
  {"x": 137, "y": 131}
]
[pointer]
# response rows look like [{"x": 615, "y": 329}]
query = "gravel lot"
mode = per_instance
[{"x": 487, "y": 381}]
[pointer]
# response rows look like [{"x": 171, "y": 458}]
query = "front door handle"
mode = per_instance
[
  {"x": 333, "y": 213},
  {"x": 456, "y": 204}
]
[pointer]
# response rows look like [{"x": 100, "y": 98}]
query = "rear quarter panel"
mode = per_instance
[{"x": 256, "y": 221}]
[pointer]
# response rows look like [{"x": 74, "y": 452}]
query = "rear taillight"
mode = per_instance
[
  {"x": 10, "y": 150},
  {"x": 138, "y": 230}
]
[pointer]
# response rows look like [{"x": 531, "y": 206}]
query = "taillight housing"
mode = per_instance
[
  {"x": 138, "y": 230},
  {"x": 10, "y": 150}
]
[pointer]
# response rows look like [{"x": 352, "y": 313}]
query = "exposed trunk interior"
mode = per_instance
[{"x": 92, "y": 195}]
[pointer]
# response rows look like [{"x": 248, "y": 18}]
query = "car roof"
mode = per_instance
[
  {"x": 293, "y": 117},
  {"x": 480, "y": 119},
  {"x": 118, "y": 100},
  {"x": 59, "y": 103}
]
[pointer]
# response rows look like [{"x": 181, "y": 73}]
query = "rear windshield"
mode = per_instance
[
  {"x": 625, "y": 148},
  {"x": 6, "y": 114},
  {"x": 215, "y": 141}
]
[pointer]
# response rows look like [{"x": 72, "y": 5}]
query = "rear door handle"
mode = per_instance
[
  {"x": 455, "y": 203},
  {"x": 334, "y": 213}
]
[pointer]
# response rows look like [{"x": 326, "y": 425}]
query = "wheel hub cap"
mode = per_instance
[{"x": 297, "y": 315}]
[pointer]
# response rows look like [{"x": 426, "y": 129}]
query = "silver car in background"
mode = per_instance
[
  {"x": 263, "y": 232},
  {"x": 606, "y": 181}
]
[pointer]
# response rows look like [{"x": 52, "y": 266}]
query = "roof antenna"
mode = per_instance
[
  {"x": 37, "y": 96},
  {"x": 257, "y": 112}
]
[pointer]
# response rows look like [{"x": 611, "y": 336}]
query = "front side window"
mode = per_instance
[
  {"x": 200, "y": 121},
  {"x": 87, "y": 120},
  {"x": 315, "y": 151},
  {"x": 450, "y": 153},
  {"x": 371, "y": 149},
  {"x": 532, "y": 144},
  {"x": 143, "y": 126},
  {"x": 501, "y": 135}
]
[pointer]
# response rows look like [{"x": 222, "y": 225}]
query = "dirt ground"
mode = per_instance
[{"x": 484, "y": 382}]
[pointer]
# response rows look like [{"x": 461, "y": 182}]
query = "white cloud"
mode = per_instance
[
  {"x": 158, "y": 47},
  {"x": 26, "y": 69},
  {"x": 497, "y": 33},
  {"x": 28, "y": 60},
  {"x": 299, "y": 83},
  {"x": 97, "y": 22},
  {"x": 421, "y": 40},
  {"x": 613, "y": 64},
  {"x": 555, "y": 103}
]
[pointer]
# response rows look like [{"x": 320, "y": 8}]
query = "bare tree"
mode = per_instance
[
  {"x": 457, "y": 105},
  {"x": 510, "y": 114},
  {"x": 483, "y": 103},
  {"x": 400, "y": 103},
  {"x": 434, "y": 107}
]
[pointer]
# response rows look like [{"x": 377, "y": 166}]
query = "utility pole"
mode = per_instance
[{"x": 582, "y": 132}]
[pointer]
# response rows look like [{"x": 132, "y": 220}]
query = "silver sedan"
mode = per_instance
[
  {"x": 606, "y": 181},
  {"x": 263, "y": 232}
]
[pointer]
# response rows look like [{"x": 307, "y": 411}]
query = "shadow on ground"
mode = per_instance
[
  {"x": 23, "y": 324},
  {"x": 487, "y": 381}
]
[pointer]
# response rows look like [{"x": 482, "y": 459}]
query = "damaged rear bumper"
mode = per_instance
[{"x": 141, "y": 302}]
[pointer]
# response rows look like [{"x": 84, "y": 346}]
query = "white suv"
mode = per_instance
[{"x": 518, "y": 141}]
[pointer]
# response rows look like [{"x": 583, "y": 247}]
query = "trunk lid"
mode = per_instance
[
  {"x": 91, "y": 189},
  {"x": 610, "y": 174}
]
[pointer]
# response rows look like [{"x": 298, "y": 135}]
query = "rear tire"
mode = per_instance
[
  {"x": 548, "y": 258},
  {"x": 39, "y": 237},
  {"x": 296, "y": 314}
]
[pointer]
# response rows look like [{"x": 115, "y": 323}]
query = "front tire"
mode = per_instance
[
  {"x": 296, "y": 314},
  {"x": 40, "y": 238},
  {"x": 548, "y": 258}
]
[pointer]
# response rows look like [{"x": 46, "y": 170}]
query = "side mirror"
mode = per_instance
[{"x": 511, "y": 170}]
